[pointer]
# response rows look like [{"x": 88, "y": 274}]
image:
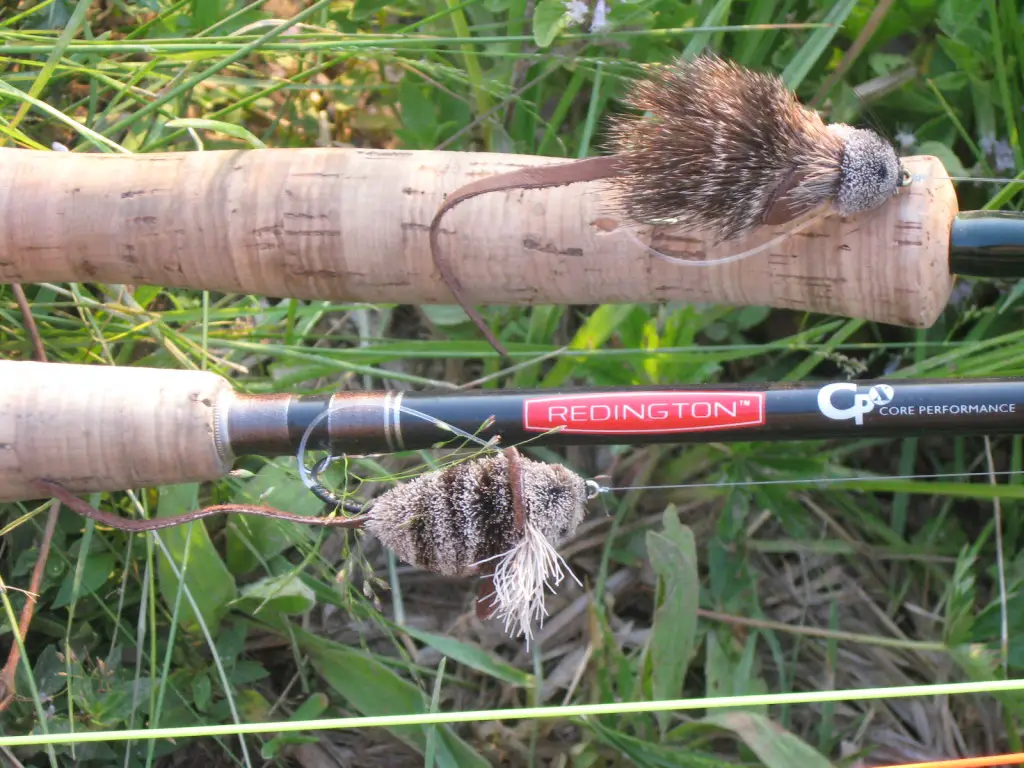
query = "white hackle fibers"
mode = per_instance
[{"x": 521, "y": 578}]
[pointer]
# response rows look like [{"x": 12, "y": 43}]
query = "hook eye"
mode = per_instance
[
  {"x": 905, "y": 177},
  {"x": 318, "y": 489},
  {"x": 325, "y": 494}
]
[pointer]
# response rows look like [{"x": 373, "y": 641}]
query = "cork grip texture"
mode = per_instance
[
  {"x": 96, "y": 428},
  {"x": 352, "y": 225}
]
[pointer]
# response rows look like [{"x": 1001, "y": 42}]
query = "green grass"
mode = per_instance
[{"x": 743, "y": 590}]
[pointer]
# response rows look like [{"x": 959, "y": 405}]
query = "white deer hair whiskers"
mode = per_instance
[{"x": 522, "y": 576}]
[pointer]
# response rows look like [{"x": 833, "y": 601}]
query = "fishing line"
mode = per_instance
[
  {"x": 830, "y": 479},
  {"x": 594, "y": 489},
  {"x": 800, "y": 226},
  {"x": 311, "y": 479},
  {"x": 924, "y": 177},
  {"x": 559, "y": 712},
  {"x": 989, "y": 761},
  {"x": 678, "y": 260}
]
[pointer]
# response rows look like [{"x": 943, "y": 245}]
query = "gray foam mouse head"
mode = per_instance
[{"x": 870, "y": 171}]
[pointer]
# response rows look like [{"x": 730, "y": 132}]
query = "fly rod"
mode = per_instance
[{"x": 99, "y": 428}]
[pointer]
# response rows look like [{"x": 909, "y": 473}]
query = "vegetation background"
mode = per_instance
[{"x": 689, "y": 592}]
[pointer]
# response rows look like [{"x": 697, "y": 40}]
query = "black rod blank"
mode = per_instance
[
  {"x": 987, "y": 244},
  {"x": 386, "y": 422}
]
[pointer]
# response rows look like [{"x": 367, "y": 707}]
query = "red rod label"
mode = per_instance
[{"x": 611, "y": 413}]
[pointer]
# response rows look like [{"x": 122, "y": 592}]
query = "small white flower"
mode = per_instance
[
  {"x": 961, "y": 293},
  {"x": 576, "y": 10},
  {"x": 905, "y": 138},
  {"x": 1002, "y": 155},
  {"x": 999, "y": 150},
  {"x": 600, "y": 21}
]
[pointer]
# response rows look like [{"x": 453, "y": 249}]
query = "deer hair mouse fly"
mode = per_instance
[
  {"x": 722, "y": 150},
  {"x": 499, "y": 516}
]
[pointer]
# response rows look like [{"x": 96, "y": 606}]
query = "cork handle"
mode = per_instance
[
  {"x": 351, "y": 225},
  {"x": 97, "y": 428}
]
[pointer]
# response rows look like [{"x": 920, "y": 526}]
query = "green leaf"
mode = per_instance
[
  {"x": 363, "y": 9},
  {"x": 598, "y": 328},
  {"x": 549, "y": 19},
  {"x": 50, "y": 671},
  {"x": 283, "y": 594},
  {"x": 717, "y": 15},
  {"x": 749, "y": 317},
  {"x": 192, "y": 56},
  {"x": 253, "y": 706},
  {"x": 954, "y": 17},
  {"x": 207, "y": 578},
  {"x": 144, "y": 294},
  {"x": 246, "y": 672},
  {"x": 445, "y": 314},
  {"x": 472, "y": 656},
  {"x": 120, "y": 700},
  {"x": 1012, "y": 297},
  {"x": 948, "y": 157},
  {"x": 229, "y": 129},
  {"x": 817, "y": 43},
  {"x": 728, "y": 673},
  {"x": 435, "y": 706},
  {"x": 673, "y": 556},
  {"x": 960, "y": 600},
  {"x": 312, "y": 707},
  {"x": 272, "y": 747},
  {"x": 887, "y": 63},
  {"x": 96, "y": 570},
  {"x": 963, "y": 56},
  {"x": 373, "y": 689},
  {"x": 252, "y": 541},
  {"x": 419, "y": 117},
  {"x": 774, "y": 745},
  {"x": 206, "y": 13},
  {"x": 202, "y": 691},
  {"x": 99, "y": 140},
  {"x": 644, "y": 753},
  {"x": 952, "y": 82}
]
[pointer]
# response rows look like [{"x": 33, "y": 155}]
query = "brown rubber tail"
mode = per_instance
[
  {"x": 560, "y": 175},
  {"x": 83, "y": 508}
]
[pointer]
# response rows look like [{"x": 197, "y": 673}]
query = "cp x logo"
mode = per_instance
[{"x": 863, "y": 402}]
